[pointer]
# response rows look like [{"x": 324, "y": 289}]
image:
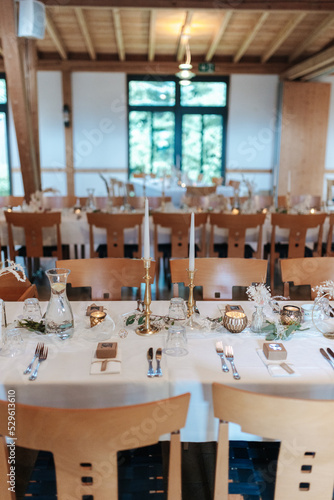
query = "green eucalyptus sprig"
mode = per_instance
[
  {"x": 277, "y": 331},
  {"x": 33, "y": 326}
]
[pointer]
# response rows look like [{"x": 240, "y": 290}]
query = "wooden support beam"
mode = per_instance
[
  {"x": 55, "y": 36},
  {"x": 151, "y": 36},
  {"x": 327, "y": 70},
  {"x": 118, "y": 34},
  {"x": 282, "y": 35},
  {"x": 314, "y": 63},
  {"x": 323, "y": 26},
  {"x": 185, "y": 31},
  {"x": 218, "y": 36},
  {"x": 67, "y": 99},
  {"x": 85, "y": 32},
  {"x": 18, "y": 98},
  {"x": 249, "y": 38}
]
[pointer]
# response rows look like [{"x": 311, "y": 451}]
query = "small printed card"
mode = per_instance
[{"x": 103, "y": 366}]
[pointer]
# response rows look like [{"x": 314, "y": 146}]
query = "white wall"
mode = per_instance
[{"x": 251, "y": 132}]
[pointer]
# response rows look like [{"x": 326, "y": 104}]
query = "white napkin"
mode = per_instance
[
  {"x": 274, "y": 367},
  {"x": 112, "y": 365}
]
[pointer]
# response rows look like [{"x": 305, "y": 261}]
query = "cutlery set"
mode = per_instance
[
  {"x": 329, "y": 356},
  {"x": 229, "y": 356},
  {"x": 158, "y": 355},
  {"x": 41, "y": 353}
]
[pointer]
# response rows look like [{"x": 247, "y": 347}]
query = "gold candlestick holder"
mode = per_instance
[
  {"x": 191, "y": 302},
  {"x": 288, "y": 202},
  {"x": 147, "y": 328}
]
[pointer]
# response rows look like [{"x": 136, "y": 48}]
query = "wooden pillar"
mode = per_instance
[
  {"x": 67, "y": 100},
  {"x": 18, "y": 98}
]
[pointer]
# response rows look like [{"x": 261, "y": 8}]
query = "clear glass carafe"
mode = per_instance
[
  {"x": 258, "y": 320},
  {"x": 59, "y": 316}
]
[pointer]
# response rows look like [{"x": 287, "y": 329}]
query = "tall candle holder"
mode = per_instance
[
  {"x": 288, "y": 202},
  {"x": 147, "y": 328},
  {"x": 191, "y": 302}
]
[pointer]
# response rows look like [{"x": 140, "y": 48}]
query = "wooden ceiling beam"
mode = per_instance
[
  {"x": 323, "y": 26},
  {"x": 18, "y": 98},
  {"x": 185, "y": 32},
  {"x": 118, "y": 34},
  {"x": 282, "y": 35},
  {"x": 327, "y": 70},
  {"x": 250, "y": 37},
  {"x": 55, "y": 36},
  {"x": 218, "y": 36},
  {"x": 151, "y": 36},
  {"x": 85, "y": 32},
  {"x": 271, "y": 5},
  {"x": 310, "y": 65}
]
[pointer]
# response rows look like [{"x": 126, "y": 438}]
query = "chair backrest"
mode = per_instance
[
  {"x": 329, "y": 251},
  {"x": 114, "y": 224},
  {"x": 11, "y": 201},
  {"x": 52, "y": 202},
  {"x": 305, "y": 467},
  {"x": 305, "y": 271},
  {"x": 84, "y": 440},
  {"x": 237, "y": 226},
  {"x": 298, "y": 226},
  {"x": 217, "y": 181},
  {"x": 106, "y": 277},
  {"x": 11, "y": 289},
  {"x": 33, "y": 223},
  {"x": 179, "y": 223},
  {"x": 312, "y": 201},
  {"x": 219, "y": 276},
  {"x": 200, "y": 190},
  {"x": 153, "y": 201}
]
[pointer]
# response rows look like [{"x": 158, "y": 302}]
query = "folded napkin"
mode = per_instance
[
  {"x": 111, "y": 365},
  {"x": 274, "y": 367}
]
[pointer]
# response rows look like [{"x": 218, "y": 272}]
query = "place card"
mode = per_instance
[
  {"x": 105, "y": 366},
  {"x": 274, "y": 351},
  {"x": 92, "y": 308}
]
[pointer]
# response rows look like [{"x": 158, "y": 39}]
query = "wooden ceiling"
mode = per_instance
[{"x": 293, "y": 39}]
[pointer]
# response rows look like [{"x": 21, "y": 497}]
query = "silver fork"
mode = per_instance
[
  {"x": 42, "y": 357},
  {"x": 39, "y": 347},
  {"x": 230, "y": 357},
  {"x": 220, "y": 352}
]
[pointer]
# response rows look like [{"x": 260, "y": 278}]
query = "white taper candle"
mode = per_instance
[
  {"x": 289, "y": 181},
  {"x": 192, "y": 243},
  {"x": 146, "y": 232}
]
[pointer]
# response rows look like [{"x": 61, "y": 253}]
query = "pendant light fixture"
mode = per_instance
[{"x": 185, "y": 74}]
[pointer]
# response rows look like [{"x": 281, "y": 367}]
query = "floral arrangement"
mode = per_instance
[
  {"x": 36, "y": 203},
  {"x": 325, "y": 292},
  {"x": 260, "y": 294},
  {"x": 12, "y": 268},
  {"x": 275, "y": 330}
]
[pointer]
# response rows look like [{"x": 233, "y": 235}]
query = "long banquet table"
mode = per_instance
[{"x": 64, "y": 379}]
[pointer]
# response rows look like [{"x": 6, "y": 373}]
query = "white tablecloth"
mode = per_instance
[{"x": 64, "y": 379}]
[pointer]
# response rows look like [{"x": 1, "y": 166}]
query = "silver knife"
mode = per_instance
[
  {"x": 330, "y": 352},
  {"x": 325, "y": 355},
  {"x": 150, "y": 372},
  {"x": 158, "y": 354}
]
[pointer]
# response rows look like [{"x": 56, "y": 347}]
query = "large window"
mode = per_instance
[
  {"x": 177, "y": 125},
  {"x": 4, "y": 156}
]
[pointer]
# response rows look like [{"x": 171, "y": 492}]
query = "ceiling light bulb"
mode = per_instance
[{"x": 184, "y": 83}]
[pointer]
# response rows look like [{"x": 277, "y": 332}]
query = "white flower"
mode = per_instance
[
  {"x": 325, "y": 288},
  {"x": 12, "y": 268},
  {"x": 260, "y": 294}
]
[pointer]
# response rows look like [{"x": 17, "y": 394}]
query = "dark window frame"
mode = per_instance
[
  {"x": 180, "y": 110},
  {"x": 4, "y": 109}
]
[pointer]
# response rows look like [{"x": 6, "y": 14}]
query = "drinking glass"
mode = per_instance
[
  {"x": 12, "y": 344},
  {"x": 32, "y": 310},
  {"x": 59, "y": 316},
  {"x": 177, "y": 310},
  {"x": 176, "y": 343}
]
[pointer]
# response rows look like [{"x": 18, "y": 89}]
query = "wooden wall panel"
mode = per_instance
[{"x": 305, "y": 110}]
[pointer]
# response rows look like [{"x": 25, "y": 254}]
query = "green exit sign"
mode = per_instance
[{"x": 206, "y": 67}]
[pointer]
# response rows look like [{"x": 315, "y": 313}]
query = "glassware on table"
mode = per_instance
[
  {"x": 59, "y": 316},
  {"x": 177, "y": 310},
  {"x": 12, "y": 343},
  {"x": 176, "y": 343},
  {"x": 323, "y": 317},
  {"x": 32, "y": 309},
  {"x": 258, "y": 319},
  {"x": 91, "y": 203},
  {"x": 291, "y": 314}
]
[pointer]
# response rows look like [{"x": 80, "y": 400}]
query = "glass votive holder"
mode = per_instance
[
  {"x": 176, "y": 343},
  {"x": 177, "y": 310},
  {"x": 32, "y": 309},
  {"x": 97, "y": 317},
  {"x": 290, "y": 315},
  {"x": 235, "y": 321},
  {"x": 13, "y": 344}
]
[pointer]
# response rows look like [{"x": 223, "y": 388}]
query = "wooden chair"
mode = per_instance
[
  {"x": 11, "y": 201},
  {"x": 217, "y": 181},
  {"x": 305, "y": 271},
  {"x": 297, "y": 226},
  {"x": 154, "y": 202},
  {"x": 179, "y": 224},
  {"x": 314, "y": 201},
  {"x": 114, "y": 224},
  {"x": 305, "y": 467},
  {"x": 85, "y": 442},
  {"x": 106, "y": 277},
  {"x": 59, "y": 202},
  {"x": 329, "y": 252},
  {"x": 236, "y": 226},
  {"x": 33, "y": 224},
  {"x": 200, "y": 190},
  {"x": 13, "y": 290},
  {"x": 217, "y": 276}
]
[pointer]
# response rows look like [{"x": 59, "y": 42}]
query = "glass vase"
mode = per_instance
[
  {"x": 59, "y": 316},
  {"x": 258, "y": 320}
]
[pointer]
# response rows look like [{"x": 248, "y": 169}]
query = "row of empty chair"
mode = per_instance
[{"x": 81, "y": 439}]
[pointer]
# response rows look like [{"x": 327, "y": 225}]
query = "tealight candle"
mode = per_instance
[
  {"x": 235, "y": 211},
  {"x": 96, "y": 317},
  {"x": 291, "y": 314},
  {"x": 235, "y": 321},
  {"x": 312, "y": 211}
]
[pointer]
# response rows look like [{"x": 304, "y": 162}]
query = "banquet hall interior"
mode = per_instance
[{"x": 160, "y": 158}]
